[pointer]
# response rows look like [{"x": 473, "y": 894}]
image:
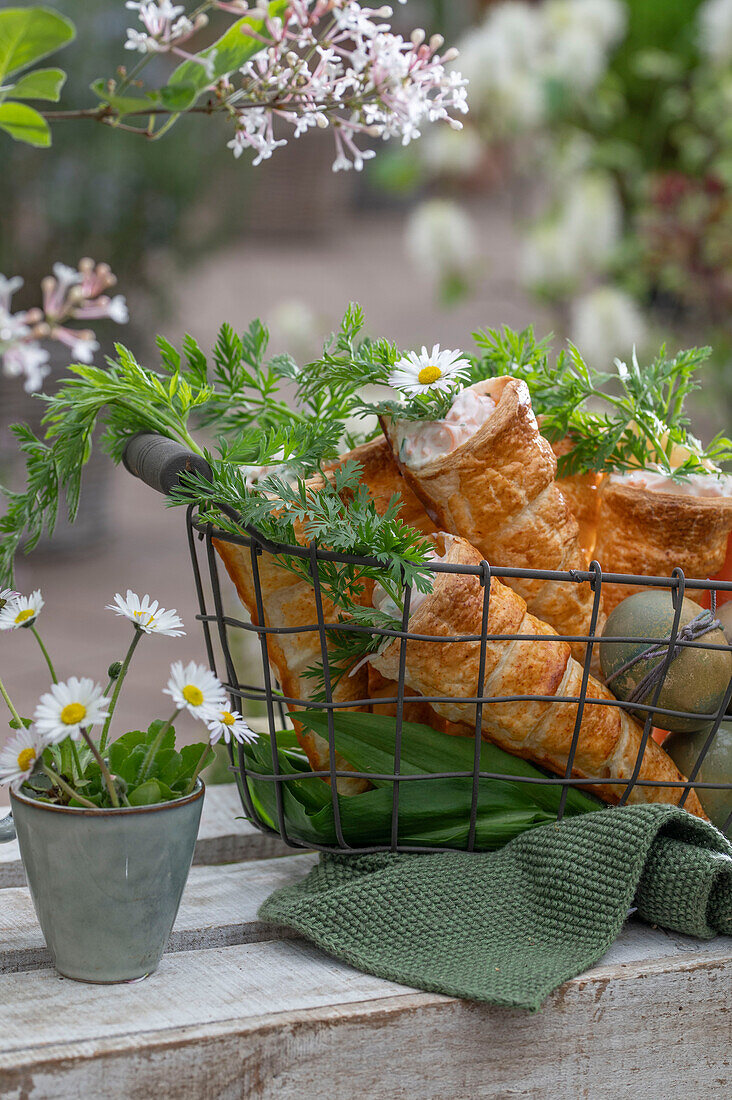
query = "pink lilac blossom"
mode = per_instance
[
  {"x": 70, "y": 294},
  {"x": 164, "y": 23},
  {"x": 334, "y": 63},
  {"x": 166, "y": 29}
]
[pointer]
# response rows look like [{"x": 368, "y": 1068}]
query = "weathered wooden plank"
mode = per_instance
[
  {"x": 280, "y": 1020},
  {"x": 219, "y": 908},
  {"x": 224, "y": 837}
]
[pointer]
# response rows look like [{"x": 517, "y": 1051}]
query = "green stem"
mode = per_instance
[
  {"x": 75, "y": 754},
  {"x": 44, "y": 651},
  {"x": 199, "y": 769},
  {"x": 103, "y": 769},
  {"x": 118, "y": 688},
  {"x": 11, "y": 708},
  {"x": 64, "y": 786},
  {"x": 154, "y": 746},
  {"x": 67, "y": 757}
]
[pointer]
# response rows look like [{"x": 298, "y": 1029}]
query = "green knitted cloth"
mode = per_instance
[{"x": 508, "y": 927}]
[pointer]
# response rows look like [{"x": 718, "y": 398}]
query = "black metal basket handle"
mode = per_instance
[{"x": 159, "y": 461}]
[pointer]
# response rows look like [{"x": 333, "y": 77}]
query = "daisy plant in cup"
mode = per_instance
[{"x": 65, "y": 755}]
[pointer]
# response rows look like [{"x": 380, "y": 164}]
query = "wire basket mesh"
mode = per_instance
[{"x": 219, "y": 628}]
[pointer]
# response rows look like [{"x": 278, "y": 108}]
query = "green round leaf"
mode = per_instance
[
  {"x": 40, "y": 84},
  {"x": 28, "y": 34},
  {"x": 23, "y": 123}
]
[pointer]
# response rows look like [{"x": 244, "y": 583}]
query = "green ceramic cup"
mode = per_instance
[{"x": 106, "y": 884}]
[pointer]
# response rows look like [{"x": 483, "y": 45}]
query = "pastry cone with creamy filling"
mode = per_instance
[
  {"x": 648, "y": 525},
  {"x": 609, "y": 739},
  {"x": 486, "y": 473}
]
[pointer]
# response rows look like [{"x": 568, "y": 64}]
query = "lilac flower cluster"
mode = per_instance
[
  {"x": 322, "y": 63},
  {"x": 334, "y": 63},
  {"x": 68, "y": 295}
]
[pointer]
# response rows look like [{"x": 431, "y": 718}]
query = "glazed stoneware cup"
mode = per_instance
[{"x": 106, "y": 884}]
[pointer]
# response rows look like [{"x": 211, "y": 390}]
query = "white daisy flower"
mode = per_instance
[
  {"x": 19, "y": 757},
  {"x": 435, "y": 370},
  {"x": 21, "y": 610},
  {"x": 69, "y": 707},
  {"x": 7, "y": 594},
  {"x": 195, "y": 688},
  {"x": 148, "y": 617},
  {"x": 228, "y": 724}
]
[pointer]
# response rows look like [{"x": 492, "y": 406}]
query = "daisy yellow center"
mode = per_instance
[
  {"x": 73, "y": 713},
  {"x": 192, "y": 695},
  {"x": 428, "y": 375},
  {"x": 227, "y": 718},
  {"x": 25, "y": 759},
  {"x": 24, "y": 616}
]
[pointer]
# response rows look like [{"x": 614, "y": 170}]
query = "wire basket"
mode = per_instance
[{"x": 219, "y": 627}]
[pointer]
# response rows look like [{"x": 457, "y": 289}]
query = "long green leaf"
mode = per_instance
[
  {"x": 432, "y": 812},
  {"x": 367, "y": 742}
]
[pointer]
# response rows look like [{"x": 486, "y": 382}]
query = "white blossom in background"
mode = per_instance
[
  {"x": 440, "y": 239},
  {"x": 591, "y": 219},
  {"x": 544, "y": 261},
  {"x": 520, "y": 48},
  {"x": 715, "y": 30},
  {"x": 606, "y": 323},
  {"x": 295, "y": 326},
  {"x": 448, "y": 152},
  {"x": 68, "y": 295},
  {"x": 500, "y": 59},
  {"x": 578, "y": 238}
]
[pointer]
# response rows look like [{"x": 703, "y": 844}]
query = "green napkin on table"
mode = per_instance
[{"x": 508, "y": 927}]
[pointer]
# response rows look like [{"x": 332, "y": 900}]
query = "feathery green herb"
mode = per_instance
[
  {"x": 236, "y": 395},
  {"x": 349, "y": 365},
  {"x": 628, "y": 419}
]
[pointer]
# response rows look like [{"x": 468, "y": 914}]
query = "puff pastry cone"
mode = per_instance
[
  {"x": 609, "y": 739},
  {"x": 650, "y": 532},
  {"x": 290, "y": 601},
  {"x": 383, "y": 478},
  {"x": 581, "y": 492},
  {"x": 497, "y": 490}
]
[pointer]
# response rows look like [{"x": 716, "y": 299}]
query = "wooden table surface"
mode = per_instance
[{"x": 242, "y": 1009}]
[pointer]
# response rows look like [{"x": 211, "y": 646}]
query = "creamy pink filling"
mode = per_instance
[
  {"x": 422, "y": 441},
  {"x": 696, "y": 485}
]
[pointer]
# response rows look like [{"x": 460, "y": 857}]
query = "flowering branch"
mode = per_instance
[{"x": 282, "y": 67}]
